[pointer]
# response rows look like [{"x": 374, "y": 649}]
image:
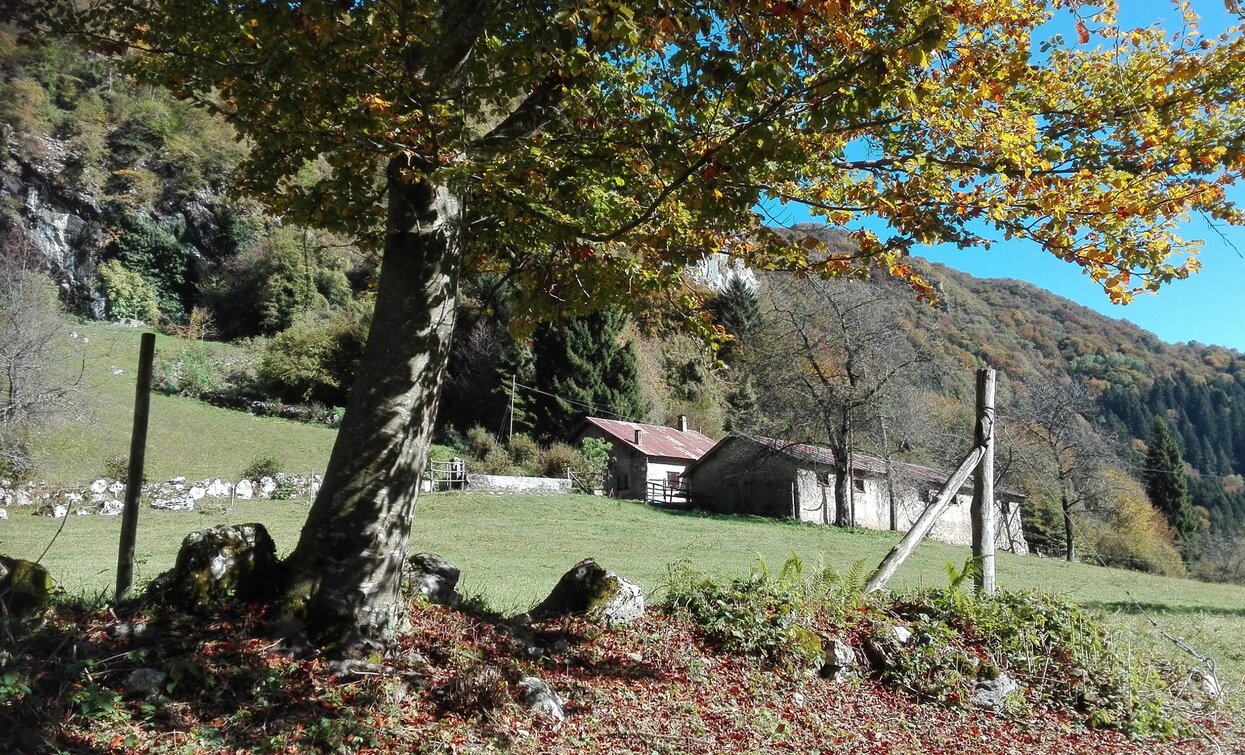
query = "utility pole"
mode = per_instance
[{"x": 512, "y": 386}]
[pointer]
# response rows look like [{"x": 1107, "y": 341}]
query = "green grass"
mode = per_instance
[
  {"x": 184, "y": 437},
  {"x": 512, "y": 549}
]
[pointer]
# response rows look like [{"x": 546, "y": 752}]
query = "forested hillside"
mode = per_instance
[{"x": 125, "y": 194}]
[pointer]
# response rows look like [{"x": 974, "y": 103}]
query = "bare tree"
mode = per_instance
[
  {"x": 40, "y": 370},
  {"x": 1066, "y": 452},
  {"x": 825, "y": 360}
]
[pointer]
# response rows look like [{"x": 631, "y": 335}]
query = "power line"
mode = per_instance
[{"x": 592, "y": 407}]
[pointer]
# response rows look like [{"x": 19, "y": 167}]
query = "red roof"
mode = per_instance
[{"x": 656, "y": 440}]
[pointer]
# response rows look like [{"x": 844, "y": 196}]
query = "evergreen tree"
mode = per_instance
[
  {"x": 583, "y": 369},
  {"x": 736, "y": 309},
  {"x": 1168, "y": 487}
]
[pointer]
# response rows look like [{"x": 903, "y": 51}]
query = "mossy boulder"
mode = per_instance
[
  {"x": 221, "y": 564},
  {"x": 589, "y": 590},
  {"x": 24, "y": 585},
  {"x": 433, "y": 577}
]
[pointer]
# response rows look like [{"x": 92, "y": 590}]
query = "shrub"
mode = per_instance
[
  {"x": 261, "y": 466},
  {"x": 559, "y": 458},
  {"x": 524, "y": 450},
  {"x": 127, "y": 294},
  {"x": 595, "y": 454},
  {"x": 481, "y": 443},
  {"x": 154, "y": 251},
  {"x": 761, "y": 615},
  {"x": 316, "y": 358},
  {"x": 116, "y": 467},
  {"x": 294, "y": 363},
  {"x": 193, "y": 372},
  {"x": 1064, "y": 655}
]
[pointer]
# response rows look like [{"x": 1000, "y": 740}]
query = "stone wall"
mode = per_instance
[
  {"x": 106, "y": 497},
  {"x": 492, "y": 483}
]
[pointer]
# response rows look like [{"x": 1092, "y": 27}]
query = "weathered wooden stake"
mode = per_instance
[
  {"x": 923, "y": 524},
  {"x": 982, "y": 510},
  {"x": 134, "y": 477}
]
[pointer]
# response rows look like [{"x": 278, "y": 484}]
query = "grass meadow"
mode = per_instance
[
  {"x": 184, "y": 437},
  {"x": 512, "y": 549}
]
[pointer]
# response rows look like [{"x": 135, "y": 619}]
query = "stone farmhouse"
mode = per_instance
[
  {"x": 648, "y": 460},
  {"x": 746, "y": 474}
]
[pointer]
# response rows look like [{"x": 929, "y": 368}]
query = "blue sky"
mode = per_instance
[{"x": 1209, "y": 307}]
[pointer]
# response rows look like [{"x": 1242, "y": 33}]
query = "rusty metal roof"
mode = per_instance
[
  {"x": 861, "y": 462},
  {"x": 656, "y": 440}
]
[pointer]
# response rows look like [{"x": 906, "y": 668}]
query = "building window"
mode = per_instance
[
  {"x": 823, "y": 479},
  {"x": 858, "y": 482}
]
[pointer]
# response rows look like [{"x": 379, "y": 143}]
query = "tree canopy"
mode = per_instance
[{"x": 601, "y": 145}]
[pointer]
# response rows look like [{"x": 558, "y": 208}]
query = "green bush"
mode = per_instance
[
  {"x": 155, "y": 251},
  {"x": 316, "y": 358},
  {"x": 193, "y": 372},
  {"x": 764, "y": 615},
  {"x": 559, "y": 458},
  {"x": 116, "y": 467},
  {"x": 481, "y": 443},
  {"x": 261, "y": 466},
  {"x": 1063, "y": 655},
  {"x": 524, "y": 450},
  {"x": 127, "y": 294}
]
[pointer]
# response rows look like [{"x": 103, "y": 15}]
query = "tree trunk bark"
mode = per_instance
[
  {"x": 842, "y": 479},
  {"x": 344, "y": 576},
  {"x": 1069, "y": 543}
]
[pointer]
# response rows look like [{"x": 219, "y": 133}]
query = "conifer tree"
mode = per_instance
[
  {"x": 584, "y": 369},
  {"x": 737, "y": 310},
  {"x": 1168, "y": 487}
]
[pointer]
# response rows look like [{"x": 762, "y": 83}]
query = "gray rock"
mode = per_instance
[
  {"x": 589, "y": 590},
  {"x": 1208, "y": 684},
  {"x": 138, "y": 630},
  {"x": 111, "y": 508},
  {"x": 540, "y": 698},
  {"x": 147, "y": 682},
  {"x": 217, "y": 488},
  {"x": 266, "y": 486},
  {"x": 244, "y": 490},
  {"x": 882, "y": 645},
  {"x": 432, "y": 576},
  {"x": 4, "y": 514},
  {"x": 992, "y": 694},
  {"x": 99, "y": 486},
  {"x": 174, "y": 503},
  {"x": 226, "y": 562},
  {"x": 841, "y": 663}
]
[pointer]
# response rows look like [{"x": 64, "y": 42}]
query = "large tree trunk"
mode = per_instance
[{"x": 344, "y": 576}]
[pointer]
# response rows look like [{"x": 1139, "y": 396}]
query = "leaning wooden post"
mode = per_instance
[
  {"x": 134, "y": 477},
  {"x": 924, "y": 523},
  {"x": 982, "y": 510}
]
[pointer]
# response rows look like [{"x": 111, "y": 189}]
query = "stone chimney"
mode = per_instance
[
  {"x": 639, "y": 436},
  {"x": 682, "y": 423}
]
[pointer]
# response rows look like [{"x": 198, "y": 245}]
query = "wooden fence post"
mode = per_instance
[
  {"x": 924, "y": 523},
  {"x": 982, "y": 512},
  {"x": 134, "y": 476}
]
